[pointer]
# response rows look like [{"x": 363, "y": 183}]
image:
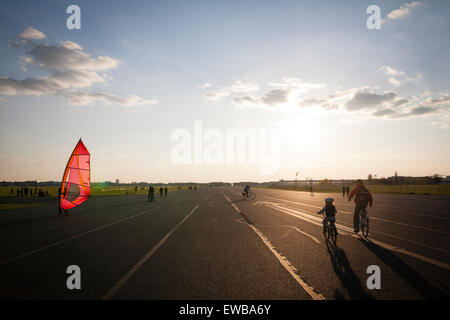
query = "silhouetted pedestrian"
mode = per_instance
[
  {"x": 160, "y": 192},
  {"x": 165, "y": 191}
]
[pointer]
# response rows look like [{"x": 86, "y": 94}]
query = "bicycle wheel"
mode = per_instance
[
  {"x": 243, "y": 197},
  {"x": 252, "y": 195}
]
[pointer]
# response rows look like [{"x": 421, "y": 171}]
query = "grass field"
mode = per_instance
[
  {"x": 404, "y": 189},
  {"x": 10, "y": 201},
  {"x": 95, "y": 190}
]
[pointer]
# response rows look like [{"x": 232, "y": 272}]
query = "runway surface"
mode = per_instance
[{"x": 210, "y": 244}]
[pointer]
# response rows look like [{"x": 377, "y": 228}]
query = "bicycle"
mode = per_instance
[
  {"x": 250, "y": 195},
  {"x": 364, "y": 223},
  {"x": 330, "y": 231}
]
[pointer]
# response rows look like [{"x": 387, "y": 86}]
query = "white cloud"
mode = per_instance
[
  {"x": 215, "y": 95},
  {"x": 68, "y": 69},
  {"x": 403, "y": 11},
  {"x": 89, "y": 98},
  {"x": 71, "y": 45},
  {"x": 206, "y": 85},
  {"x": 293, "y": 83},
  {"x": 398, "y": 77},
  {"x": 284, "y": 90},
  {"x": 32, "y": 34},
  {"x": 243, "y": 87}
]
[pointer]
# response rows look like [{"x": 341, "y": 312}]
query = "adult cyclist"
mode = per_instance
[
  {"x": 246, "y": 190},
  {"x": 363, "y": 197}
]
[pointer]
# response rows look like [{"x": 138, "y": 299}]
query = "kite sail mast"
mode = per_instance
[{"x": 76, "y": 181}]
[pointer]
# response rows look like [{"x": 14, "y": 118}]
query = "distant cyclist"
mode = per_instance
[
  {"x": 246, "y": 190},
  {"x": 363, "y": 197},
  {"x": 330, "y": 213}
]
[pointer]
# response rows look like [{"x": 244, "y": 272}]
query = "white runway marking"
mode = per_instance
[
  {"x": 283, "y": 261},
  {"x": 77, "y": 236},
  {"x": 130, "y": 273},
  {"x": 292, "y": 227},
  {"x": 409, "y": 225},
  {"x": 308, "y": 205},
  {"x": 317, "y": 221}
]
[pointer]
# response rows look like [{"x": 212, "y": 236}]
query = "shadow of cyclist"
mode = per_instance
[
  {"x": 346, "y": 275},
  {"x": 414, "y": 279}
]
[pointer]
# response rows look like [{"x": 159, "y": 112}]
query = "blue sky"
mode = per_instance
[{"x": 347, "y": 101}]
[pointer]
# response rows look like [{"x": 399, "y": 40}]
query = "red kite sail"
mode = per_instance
[{"x": 76, "y": 182}]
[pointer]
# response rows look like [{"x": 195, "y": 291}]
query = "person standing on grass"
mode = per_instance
[
  {"x": 160, "y": 192},
  {"x": 348, "y": 190},
  {"x": 151, "y": 194},
  {"x": 60, "y": 211},
  {"x": 165, "y": 191},
  {"x": 363, "y": 197}
]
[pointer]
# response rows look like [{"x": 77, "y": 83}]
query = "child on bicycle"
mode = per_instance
[{"x": 330, "y": 213}]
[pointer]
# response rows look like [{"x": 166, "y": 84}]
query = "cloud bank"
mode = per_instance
[{"x": 70, "y": 71}]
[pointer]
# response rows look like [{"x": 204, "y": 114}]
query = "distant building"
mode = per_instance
[{"x": 117, "y": 181}]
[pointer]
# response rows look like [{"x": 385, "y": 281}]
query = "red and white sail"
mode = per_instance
[{"x": 76, "y": 182}]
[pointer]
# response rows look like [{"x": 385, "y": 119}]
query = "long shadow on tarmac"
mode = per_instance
[
  {"x": 414, "y": 279},
  {"x": 346, "y": 275}
]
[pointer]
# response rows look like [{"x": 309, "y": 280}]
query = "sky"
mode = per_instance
[{"x": 159, "y": 90}]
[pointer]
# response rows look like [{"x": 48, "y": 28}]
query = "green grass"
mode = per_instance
[
  {"x": 11, "y": 206},
  {"x": 399, "y": 189},
  {"x": 96, "y": 190}
]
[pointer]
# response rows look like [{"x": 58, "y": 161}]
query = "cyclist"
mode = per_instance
[
  {"x": 330, "y": 213},
  {"x": 246, "y": 190},
  {"x": 363, "y": 197}
]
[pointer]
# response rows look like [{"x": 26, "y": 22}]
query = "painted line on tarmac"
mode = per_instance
[
  {"x": 283, "y": 261},
  {"x": 292, "y": 227},
  {"x": 401, "y": 250},
  {"x": 305, "y": 204},
  {"x": 409, "y": 225},
  {"x": 51, "y": 245},
  {"x": 317, "y": 221},
  {"x": 372, "y": 218},
  {"x": 130, "y": 273},
  {"x": 378, "y": 207}
]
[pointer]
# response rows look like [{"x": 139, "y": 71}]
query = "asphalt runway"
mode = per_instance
[{"x": 210, "y": 244}]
